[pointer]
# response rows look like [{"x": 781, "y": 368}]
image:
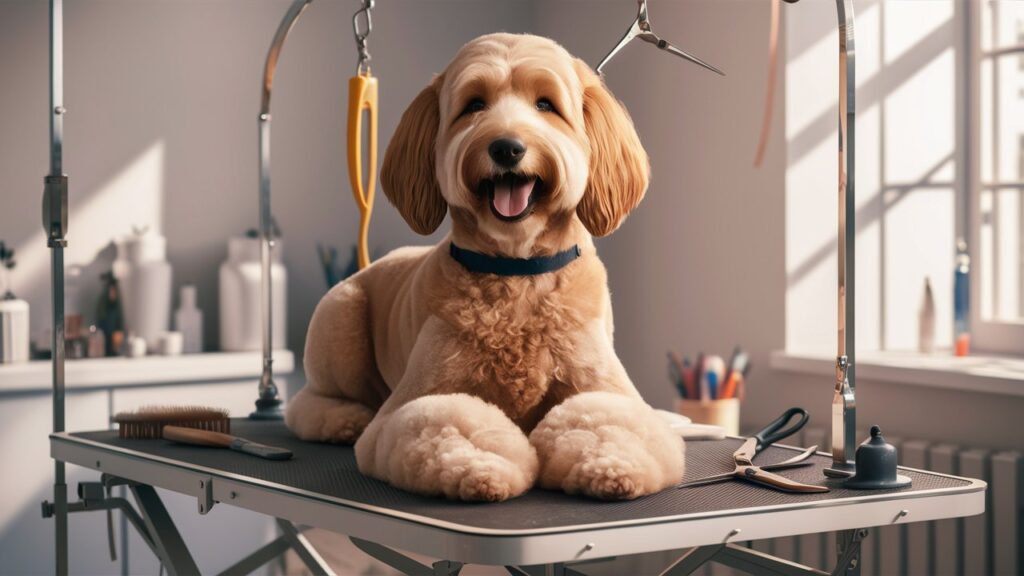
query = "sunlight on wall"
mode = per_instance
[
  {"x": 904, "y": 172},
  {"x": 133, "y": 197}
]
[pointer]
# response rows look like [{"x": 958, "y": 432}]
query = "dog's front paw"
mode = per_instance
[
  {"x": 607, "y": 446},
  {"x": 453, "y": 445},
  {"x": 469, "y": 473}
]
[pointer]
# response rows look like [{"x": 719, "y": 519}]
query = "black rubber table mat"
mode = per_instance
[{"x": 331, "y": 470}]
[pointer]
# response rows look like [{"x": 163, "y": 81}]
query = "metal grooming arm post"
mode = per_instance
[
  {"x": 268, "y": 405},
  {"x": 55, "y": 224},
  {"x": 844, "y": 405}
]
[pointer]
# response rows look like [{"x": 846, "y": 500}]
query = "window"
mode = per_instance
[
  {"x": 908, "y": 171},
  {"x": 997, "y": 189},
  {"x": 940, "y": 157}
]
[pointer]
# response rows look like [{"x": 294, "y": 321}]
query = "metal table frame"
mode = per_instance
[{"x": 715, "y": 536}]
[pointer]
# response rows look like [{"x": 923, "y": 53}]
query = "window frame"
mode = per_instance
[{"x": 987, "y": 335}]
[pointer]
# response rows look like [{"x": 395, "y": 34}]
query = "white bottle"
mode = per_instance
[
  {"x": 926, "y": 320},
  {"x": 240, "y": 310},
  {"x": 14, "y": 340},
  {"x": 188, "y": 320},
  {"x": 144, "y": 277}
]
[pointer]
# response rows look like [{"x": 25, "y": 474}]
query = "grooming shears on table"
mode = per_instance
[
  {"x": 747, "y": 470},
  {"x": 641, "y": 29}
]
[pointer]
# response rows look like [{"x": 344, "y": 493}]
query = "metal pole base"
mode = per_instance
[
  {"x": 841, "y": 470},
  {"x": 268, "y": 409}
]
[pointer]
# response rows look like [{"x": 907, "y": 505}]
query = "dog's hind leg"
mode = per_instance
[
  {"x": 319, "y": 418},
  {"x": 455, "y": 445},
  {"x": 343, "y": 386}
]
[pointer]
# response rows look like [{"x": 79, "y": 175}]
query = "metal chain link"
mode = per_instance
[{"x": 362, "y": 35}]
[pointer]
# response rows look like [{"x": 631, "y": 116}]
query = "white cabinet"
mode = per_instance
[{"x": 217, "y": 539}]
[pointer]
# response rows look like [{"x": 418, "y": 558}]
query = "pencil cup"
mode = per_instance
[{"x": 724, "y": 413}]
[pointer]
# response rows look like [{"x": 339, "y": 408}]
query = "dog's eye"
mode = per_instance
[
  {"x": 545, "y": 105},
  {"x": 475, "y": 105}
]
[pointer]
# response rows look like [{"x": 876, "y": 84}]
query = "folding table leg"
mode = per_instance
[
  {"x": 309, "y": 556},
  {"x": 173, "y": 552},
  {"x": 396, "y": 560},
  {"x": 848, "y": 552},
  {"x": 762, "y": 564},
  {"x": 258, "y": 558},
  {"x": 692, "y": 560},
  {"x": 447, "y": 568}
]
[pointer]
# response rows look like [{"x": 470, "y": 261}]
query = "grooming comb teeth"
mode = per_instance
[{"x": 148, "y": 421}]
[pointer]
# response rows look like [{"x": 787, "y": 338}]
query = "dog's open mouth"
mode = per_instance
[{"x": 512, "y": 196}]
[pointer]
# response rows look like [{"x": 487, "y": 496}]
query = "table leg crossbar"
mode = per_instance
[
  {"x": 157, "y": 529},
  {"x": 754, "y": 562}
]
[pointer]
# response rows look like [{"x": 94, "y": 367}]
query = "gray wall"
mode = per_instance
[
  {"x": 699, "y": 266},
  {"x": 187, "y": 74}
]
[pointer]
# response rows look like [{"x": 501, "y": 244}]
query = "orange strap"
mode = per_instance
[
  {"x": 362, "y": 95},
  {"x": 769, "y": 99}
]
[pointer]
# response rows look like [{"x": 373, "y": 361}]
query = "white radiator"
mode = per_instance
[{"x": 992, "y": 543}]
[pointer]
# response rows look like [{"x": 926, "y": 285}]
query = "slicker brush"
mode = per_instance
[{"x": 148, "y": 422}]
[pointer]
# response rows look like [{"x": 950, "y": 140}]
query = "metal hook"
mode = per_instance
[
  {"x": 362, "y": 36},
  {"x": 641, "y": 29}
]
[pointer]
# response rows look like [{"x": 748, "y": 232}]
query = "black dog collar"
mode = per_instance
[{"x": 482, "y": 263}]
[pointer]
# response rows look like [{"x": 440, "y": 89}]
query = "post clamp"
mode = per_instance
[
  {"x": 205, "y": 494},
  {"x": 55, "y": 209}
]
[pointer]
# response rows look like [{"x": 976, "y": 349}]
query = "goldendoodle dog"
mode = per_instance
[{"x": 484, "y": 365}]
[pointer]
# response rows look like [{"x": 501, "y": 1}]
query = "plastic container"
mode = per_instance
[
  {"x": 962, "y": 301},
  {"x": 240, "y": 310},
  {"x": 14, "y": 331},
  {"x": 188, "y": 320},
  {"x": 144, "y": 278},
  {"x": 724, "y": 413}
]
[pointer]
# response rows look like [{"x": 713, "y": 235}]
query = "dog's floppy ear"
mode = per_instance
[
  {"x": 408, "y": 175},
  {"x": 619, "y": 168}
]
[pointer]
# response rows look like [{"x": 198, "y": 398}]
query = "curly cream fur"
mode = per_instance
[
  {"x": 603, "y": 445},
  {"x": 453, "y": 445},
  {"x": 437, "y": 373}
]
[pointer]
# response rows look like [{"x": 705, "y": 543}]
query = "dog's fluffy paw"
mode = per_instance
[
  {"x": 453, "y": 445},
  {"x": 607, "y": 446}
]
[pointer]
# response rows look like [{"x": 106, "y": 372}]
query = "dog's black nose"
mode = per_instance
[{"x": 507, "y": 152}]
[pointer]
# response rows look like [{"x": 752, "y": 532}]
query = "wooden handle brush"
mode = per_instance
[
  {"x": 222, "y": 440},
  {"x": 196, "y": 425}
]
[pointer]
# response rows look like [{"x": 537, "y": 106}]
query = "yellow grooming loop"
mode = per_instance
[{"x": 362, "y": 96}]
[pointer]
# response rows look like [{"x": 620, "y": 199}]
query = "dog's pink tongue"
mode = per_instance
[{"x": 510, "y": 200}]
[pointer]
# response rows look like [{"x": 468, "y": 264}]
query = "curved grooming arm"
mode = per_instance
[
  {"x": 268, "y": 405},
  {"x": 844, "y": 406}
]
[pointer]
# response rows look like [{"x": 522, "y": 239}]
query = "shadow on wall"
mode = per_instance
[
  {"x": 162, "y": 128},
  {"x": 131, "y": 197}
]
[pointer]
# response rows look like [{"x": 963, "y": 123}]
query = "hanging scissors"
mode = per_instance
[
  {"x": 362, "y": 96},
  {"x": 641, "y": 29},
  {"x": 747, "y": 470}
]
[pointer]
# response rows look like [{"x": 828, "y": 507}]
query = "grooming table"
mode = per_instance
[{"x": 539, "y": 532}]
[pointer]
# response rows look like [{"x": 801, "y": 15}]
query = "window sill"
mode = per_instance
[{"x": 1003, "y": 375}]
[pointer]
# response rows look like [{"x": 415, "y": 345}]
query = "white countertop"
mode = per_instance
[{"x": 112, "y": 372}]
